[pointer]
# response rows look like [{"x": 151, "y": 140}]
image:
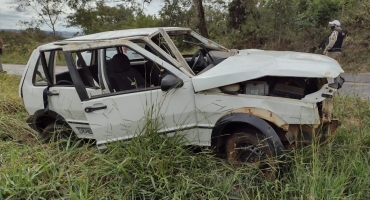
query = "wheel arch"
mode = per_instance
[
  {"x": 40, "y": 120},
  {"x": 231, "y": 121}
]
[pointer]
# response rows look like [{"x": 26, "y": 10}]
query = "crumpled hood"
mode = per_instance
[{"x": 252, "y": 64}]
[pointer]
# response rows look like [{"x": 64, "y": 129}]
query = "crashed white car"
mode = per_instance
[{"x": 250, "y": 104}]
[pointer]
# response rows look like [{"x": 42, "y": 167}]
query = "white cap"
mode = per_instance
[{"x": 336, "y": 22}]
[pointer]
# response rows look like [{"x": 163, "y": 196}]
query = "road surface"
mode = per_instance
[{"x": 355, "y": 85}]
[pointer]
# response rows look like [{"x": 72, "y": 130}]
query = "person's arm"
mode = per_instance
[{"x": 332, "y": 39}]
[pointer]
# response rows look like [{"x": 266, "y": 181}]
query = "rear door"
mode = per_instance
[{"x": 62, "y": 95}]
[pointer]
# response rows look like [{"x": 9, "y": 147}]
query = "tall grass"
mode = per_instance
[{"x": 153, "y": 167}]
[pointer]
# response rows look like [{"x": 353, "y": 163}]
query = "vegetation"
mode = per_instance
[
  {"x": 151, "y": 167},
  {"x": 292, "y": 25},
  {"x": 19, "y": 46},
  {"x": 48, "y": 12}
]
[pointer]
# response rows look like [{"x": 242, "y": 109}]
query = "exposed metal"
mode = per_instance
[
  {"x": 264, "y": 114},
  {"x": 327, "y": 110},
  {"x": 305, "y": 133}
]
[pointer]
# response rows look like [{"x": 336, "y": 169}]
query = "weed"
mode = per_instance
[{"x": 153, "y": 166}]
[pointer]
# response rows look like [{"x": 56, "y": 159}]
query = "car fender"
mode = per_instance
[
  {"x": 252, "y": 120},
  {"x": 263, "y": 114}
]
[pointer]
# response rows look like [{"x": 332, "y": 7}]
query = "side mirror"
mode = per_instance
[{"x": 170, "y": 81}]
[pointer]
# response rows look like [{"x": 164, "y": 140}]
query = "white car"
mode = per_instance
[{"x": 250, "y": 104}]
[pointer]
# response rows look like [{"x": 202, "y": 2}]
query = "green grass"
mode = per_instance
[
  {"x": 20, "y": 58},
  {"x": 151, "y": 167},
  {"x": 15, "y": 58}
]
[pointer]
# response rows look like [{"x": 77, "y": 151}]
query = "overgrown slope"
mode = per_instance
[{"x": 151, "y": 167}]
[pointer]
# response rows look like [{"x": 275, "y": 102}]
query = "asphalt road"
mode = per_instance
[{"x": 355, "y": 85}]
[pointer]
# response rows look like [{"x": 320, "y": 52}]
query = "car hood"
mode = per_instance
[{"x": 252, "y": 64}]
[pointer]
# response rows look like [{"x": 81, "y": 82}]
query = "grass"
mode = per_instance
[
  {"x": 15, "y": 58},
  {"x": 151, "y": 167}
]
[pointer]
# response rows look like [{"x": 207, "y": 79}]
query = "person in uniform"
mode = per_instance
[{"x": 333, "y": 48}]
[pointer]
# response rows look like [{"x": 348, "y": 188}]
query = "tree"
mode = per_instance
[
  {"x": 176, "y": 13},
  {"x": 106, "y": 18},
  {"x": 201, "y": 20},
  {"x": 184, "y": 13},
  {"x": 49, "y": 12},
  {"x": 237, "y": 14}
]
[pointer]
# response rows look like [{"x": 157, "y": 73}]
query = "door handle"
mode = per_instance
[
  {"x": 52, "y": 94},
  {"x": 90, "y": 109}
]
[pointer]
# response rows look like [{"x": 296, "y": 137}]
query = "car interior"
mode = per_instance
[{"x": 123, "y": 73}]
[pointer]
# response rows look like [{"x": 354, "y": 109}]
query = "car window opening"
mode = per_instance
[{"x": 199, "y": 56}]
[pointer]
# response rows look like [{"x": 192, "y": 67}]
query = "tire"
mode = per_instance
[
  {"x": 249, "y": 147},
  {"x": 55, "y": 132}
]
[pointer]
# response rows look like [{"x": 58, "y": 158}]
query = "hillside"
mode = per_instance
[{"x": 63, "y": 34}]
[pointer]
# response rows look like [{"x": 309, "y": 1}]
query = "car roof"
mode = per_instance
[
  {"x": 110, "y": 35},
  {"x": 123, "y": 33}
]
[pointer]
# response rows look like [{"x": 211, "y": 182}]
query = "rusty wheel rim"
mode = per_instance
[{"x": 247, "y": 153}]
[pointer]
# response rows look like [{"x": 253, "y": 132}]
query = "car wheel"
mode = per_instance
[
  {"x": 55, "y": 132},
  {"x": 249, "y": 147}
]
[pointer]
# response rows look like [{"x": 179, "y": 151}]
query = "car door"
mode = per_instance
[
  {"x": 120, "y": 115},
  {"x": 62, "y": 95}
]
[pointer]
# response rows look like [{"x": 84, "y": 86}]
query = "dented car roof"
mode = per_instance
[
  {"x": 123, "y": 33},
  {"x": 109, "y": 35},
  {"x": 252, "y": 64}
]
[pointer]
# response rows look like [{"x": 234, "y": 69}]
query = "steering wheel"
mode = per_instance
[
  {"x": 199, "y": 63},
  {"x": 195, "y": 58},
  {"x": 61, "y": 81}
]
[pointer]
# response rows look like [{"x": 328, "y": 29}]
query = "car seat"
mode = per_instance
[{"x": 124, "y": 77}]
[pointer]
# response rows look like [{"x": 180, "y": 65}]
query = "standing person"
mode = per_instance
[
  {"x": 2, "y": 48},
  {"x": 334, "y": 46}
]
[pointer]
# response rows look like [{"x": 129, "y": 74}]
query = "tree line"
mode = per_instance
[{"x": 299, "y": 25}]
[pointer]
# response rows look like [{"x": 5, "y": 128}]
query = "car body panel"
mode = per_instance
[
  {"x": 128, "y": 115},
  {"x": 31, "y": 61},
  {"x": 32, "y": 95},
  {"x": 211, "y": 107},
  {"x": 248, "y": 65}
]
